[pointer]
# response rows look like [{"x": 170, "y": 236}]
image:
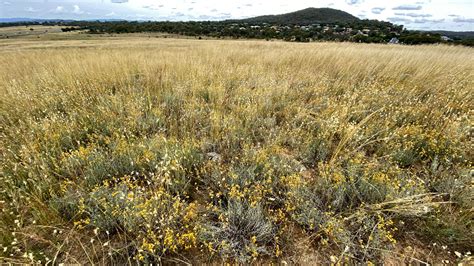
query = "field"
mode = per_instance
[
  {"x": 152, "y": 150},
  {"x": 30, "y": 32}
]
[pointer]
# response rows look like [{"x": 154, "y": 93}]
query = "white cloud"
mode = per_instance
[
  {"x": 414, "y": 15},
  {"x": 59, "y": 9},
  {"x": 408, "y": 7},
  {"x": 424, "y": 20},
  {"x": 31, "y": 10},
  {"x": 77, "y": 10},
  {"x": 464, "y": 20},
  {"x": 153, "y": 7},
  {"x": 354, "y": 2},
  {"x": 378, "y": 10},
  {"x": 399, "y": 20}
]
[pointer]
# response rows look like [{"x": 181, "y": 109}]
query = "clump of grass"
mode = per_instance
[
  {"x": 239, "y": 231},
  {"x": 225, "y": 153}
]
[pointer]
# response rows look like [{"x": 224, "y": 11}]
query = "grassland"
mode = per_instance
[
  {"x": 30, "y": 32},
  {"x": 126, "y": 150}
]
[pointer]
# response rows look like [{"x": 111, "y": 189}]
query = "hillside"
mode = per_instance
[
  {"x": 455, "y": 34},
  {"x": 15, "y": 20},
  {"x": 305, "y": 16}
]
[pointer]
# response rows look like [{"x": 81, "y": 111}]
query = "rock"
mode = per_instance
[{"x": 214, "y": 156}]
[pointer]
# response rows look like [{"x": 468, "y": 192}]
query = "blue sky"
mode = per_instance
[{"x": 455, "y": 15}]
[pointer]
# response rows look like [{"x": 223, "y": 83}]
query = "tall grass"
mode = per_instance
[{"x": 185, "y": 151}]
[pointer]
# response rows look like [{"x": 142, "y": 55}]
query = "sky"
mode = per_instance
[{"x": 456, "y": 15}]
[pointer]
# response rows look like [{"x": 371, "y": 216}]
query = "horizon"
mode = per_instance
[{"x": 414, "y": 15}]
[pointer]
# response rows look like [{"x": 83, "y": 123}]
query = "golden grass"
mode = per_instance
[{"x": 122, "y": 149}]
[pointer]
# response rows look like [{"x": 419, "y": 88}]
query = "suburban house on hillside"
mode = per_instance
[
  {"x": 446, "y": 38},
  {"x": 394, "y": 41}
]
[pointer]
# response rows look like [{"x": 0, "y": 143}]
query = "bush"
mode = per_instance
[{"x": 239, "y": 231}]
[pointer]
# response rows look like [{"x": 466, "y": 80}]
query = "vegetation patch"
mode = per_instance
[{"x": 181, "y": 151}]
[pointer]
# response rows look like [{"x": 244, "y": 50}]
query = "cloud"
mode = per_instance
[
  {"x": 414, "y": 15},
  {"x": 59, "y": 9},
  {"x": 213, "y": 10},
  {"x": 151, "y": 7},
  {"x": 111, "y": 14},
  {"x": 378, "y": 10},
  {"x": 77, "y": 10},
  {"x": 463, "y": 20},
  {"x": 408, "y": 7},
  {"x": 424, "y": 20},
  {"x": 141, "y": 17},
  {"x": 32, "y": 10},
  {"x": 354, "y": 2},
  {"x": 119, "y": 1},
  {"x": 399, "y": 19},
  {"x": 204, "y": 17},
  {"x": 7, "y": 3}
]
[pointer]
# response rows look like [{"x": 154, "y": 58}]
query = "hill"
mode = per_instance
[
  {"x": 17, "y": 20},
  {"x": 32, "y": 20},
  {"x": 305, "y": 16},
  {"x": 456, "y": 34}
]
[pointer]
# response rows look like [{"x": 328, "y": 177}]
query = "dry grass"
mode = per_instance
[
  {"x": 33, "y": 32},
  {"x": 117, "y": 150}
]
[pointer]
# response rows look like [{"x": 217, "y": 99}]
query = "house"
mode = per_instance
[
  {"x": 446, "y": 38},
  {"x": 394, "y": 41}
]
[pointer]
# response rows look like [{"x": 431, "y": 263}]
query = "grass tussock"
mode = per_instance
[{"x": 182, "y": 151}]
